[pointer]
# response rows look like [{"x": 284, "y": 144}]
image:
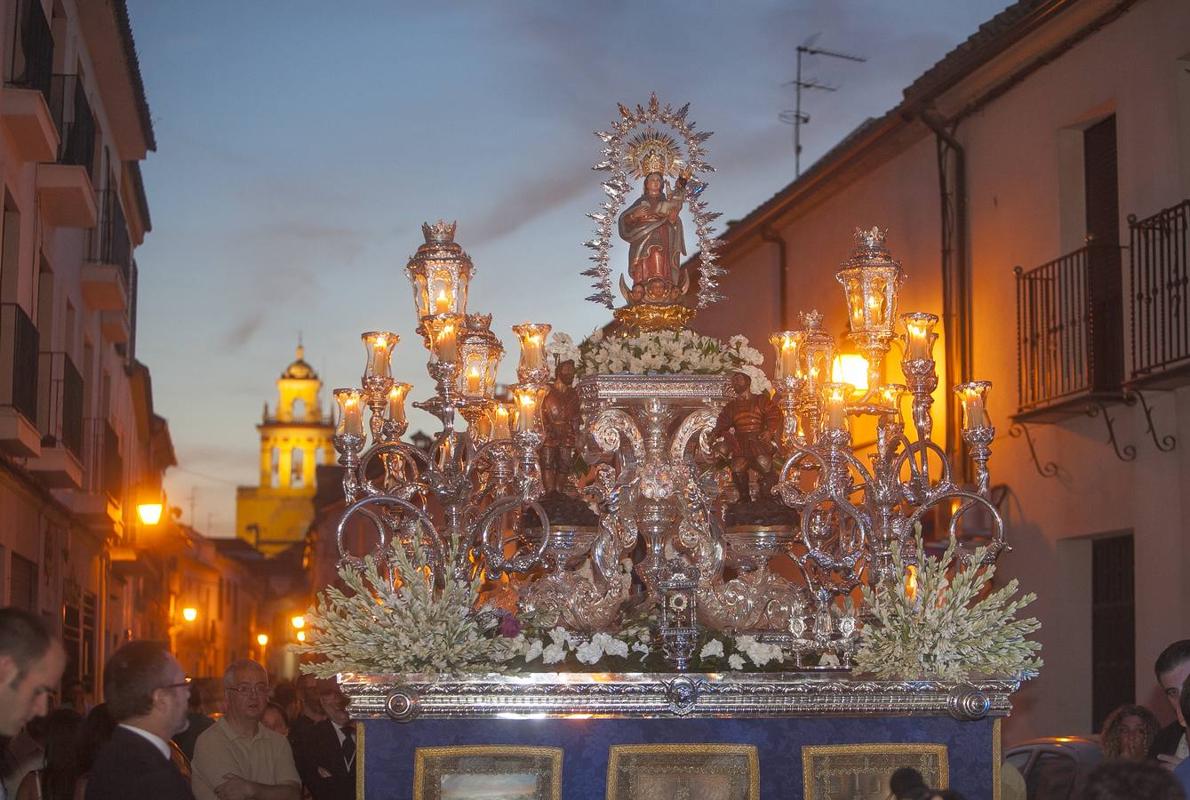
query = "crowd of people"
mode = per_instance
[{"x": 159, "y": 734}]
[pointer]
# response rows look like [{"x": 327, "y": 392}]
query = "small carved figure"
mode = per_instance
[
  {"x": 561, "y": 415},
  {"x": 750, "y": 426}
]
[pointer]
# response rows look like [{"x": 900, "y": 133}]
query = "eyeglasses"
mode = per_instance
[{"x": 246, "y": 689}]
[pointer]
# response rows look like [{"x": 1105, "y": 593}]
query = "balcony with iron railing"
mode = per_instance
[
  {"x": 60, "y": 419},
  {"x": 26, "y": 96},
  {"x": 98, "y": 502},
  {"x": 106, "y": 275},
  {"x": 1069, "y": 333},
  {"x": 1160, "y": 294},
  {"x": 19, "y": 344},
  {"x": 65, "y": 188}
]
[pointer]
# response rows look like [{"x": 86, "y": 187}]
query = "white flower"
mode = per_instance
[
  {"x": 559, "y": 635},
  {"x": 735, "y": 661},
  {"x": 535, "y": 648},
  {"x": 552, "y": 654},
  {"x": 711, "y": 649},
  {"x": 640, "y": 647},
  {"x": 590, "y": 652},
  {"x": 828, "y": 660}
]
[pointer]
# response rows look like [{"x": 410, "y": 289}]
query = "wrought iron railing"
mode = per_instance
[
  {"x": 103, "y": 467},
  {"x": 31, "y": 63},
  {"x": 1068, "y": 336},
  {"x": 75, "y": 121},
  {"x": 1160, "y": 271},
  {"x": 62, "y": 415},
  {"x": 113, "y": 245},
  {"x": 15, "y": 323}
]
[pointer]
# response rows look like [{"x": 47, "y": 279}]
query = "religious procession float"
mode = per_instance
[{"x": 650, "y": 569}]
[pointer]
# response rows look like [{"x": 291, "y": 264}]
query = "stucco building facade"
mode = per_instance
[{"x": 1057, "y": 140}]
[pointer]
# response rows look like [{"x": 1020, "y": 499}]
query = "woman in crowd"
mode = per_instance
[
  {"x": 55, "y": 779},
  {"x": 1128, "y": 733}
]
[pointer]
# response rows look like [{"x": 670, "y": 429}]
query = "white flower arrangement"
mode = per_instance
[
  {"x": 562, "y": 348},
  {"x": 668, "y": 352},
  {"x": 400, "y": 622},
  {"x": 942, "y": 628}
]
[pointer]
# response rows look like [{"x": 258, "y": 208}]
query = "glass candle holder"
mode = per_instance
[
  {"x": 919, "y": 335},
  {"x": 528, "y": 407},
  {"x": 837, "y": 395},
  {"x": 500, "y": 414},
  {"x": 442, "y": 331},
  {"x": 816, "y": 352},
  {"x": 532, "y": 365},
  {"x": 396, "y": 401},
  {"x": 350, "y": 415},
  {"x": 890, "y": 396},
  {"x": 379, "y": 346},
  {"x": 973, "y": 395},
  {"x": 786, "y": 345}
]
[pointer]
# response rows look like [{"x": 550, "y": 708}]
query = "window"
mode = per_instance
[
  {"x": 297, "y": 458},
  {"x": 22, "y": 592},
  {"x": 1113, "y": 626}
]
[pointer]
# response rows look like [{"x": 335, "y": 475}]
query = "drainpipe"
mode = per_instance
[
  {"x": 769, "y": 235},
  {"x": 956, "y": 286}
]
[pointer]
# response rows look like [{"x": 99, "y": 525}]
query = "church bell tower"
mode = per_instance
[{"x": 294, "y": 440}]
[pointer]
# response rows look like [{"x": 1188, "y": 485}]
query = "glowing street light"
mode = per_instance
[
  {"x": 150, "y": 513},
  {"x": 301, "y": 636},
  {"x": 262, "y": 639},
  {"x": 189, "y": 613},
  {"x": 298, "y": 622}
]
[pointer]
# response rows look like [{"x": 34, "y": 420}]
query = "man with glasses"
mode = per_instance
[
  {"x": 146, "y": 692},
  {"x": 237, "y": 758}
]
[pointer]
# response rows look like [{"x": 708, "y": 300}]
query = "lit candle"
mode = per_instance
[
  {"x": 396, "y": 402},
  {"x": 379, "y": 345},
  {"x": 526, "y": 409},
  {"x": 911, "y": 582},
  {"x": 919, "y": 335},
  {"x": 786, "y": 345},
  {"x": 445, "y": 344},
  {"x": 890, "y": 396},
  {"x": 351, "y": 418},
  {"x": 836, "y": 404},
  {"x": 442, "y": 303},
  {"x": 973, "y": 396},
  {"x": 474, "y": 386},
  {"x": 500, "y": 422}
]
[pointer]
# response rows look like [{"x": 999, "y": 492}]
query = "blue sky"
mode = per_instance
[{"x": 301, "y": 145}]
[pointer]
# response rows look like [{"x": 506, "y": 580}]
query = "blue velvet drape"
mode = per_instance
[{"x": 389, "y": 746}]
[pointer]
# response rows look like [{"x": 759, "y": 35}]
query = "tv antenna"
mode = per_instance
[{"x": 797, "y": 118}]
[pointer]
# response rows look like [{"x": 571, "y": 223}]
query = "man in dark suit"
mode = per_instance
[
  {"x": 1172, "y": 668},
  {"x": 147, "y": 692},
  {"x": 325, "y": 751}
]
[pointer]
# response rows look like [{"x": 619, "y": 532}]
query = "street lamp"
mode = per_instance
[
  {"x": 150, "y": 513},
  {"x": 262, "y": 639},
  {"x": 298, "y": 622},
  {"x": 189, "y": 613}
]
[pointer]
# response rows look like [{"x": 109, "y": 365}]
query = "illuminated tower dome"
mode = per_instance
[{"x": 293, "y": 441}]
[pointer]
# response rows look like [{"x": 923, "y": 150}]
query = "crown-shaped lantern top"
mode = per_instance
[
  {"x": 440, "y": 272},
  {"x": 441, "y": 232}
]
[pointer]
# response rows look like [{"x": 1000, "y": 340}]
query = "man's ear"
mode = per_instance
[{"x": 8, "y": 670}]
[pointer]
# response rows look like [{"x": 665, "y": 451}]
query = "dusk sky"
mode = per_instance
[{"x": 301, "y": 145}]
